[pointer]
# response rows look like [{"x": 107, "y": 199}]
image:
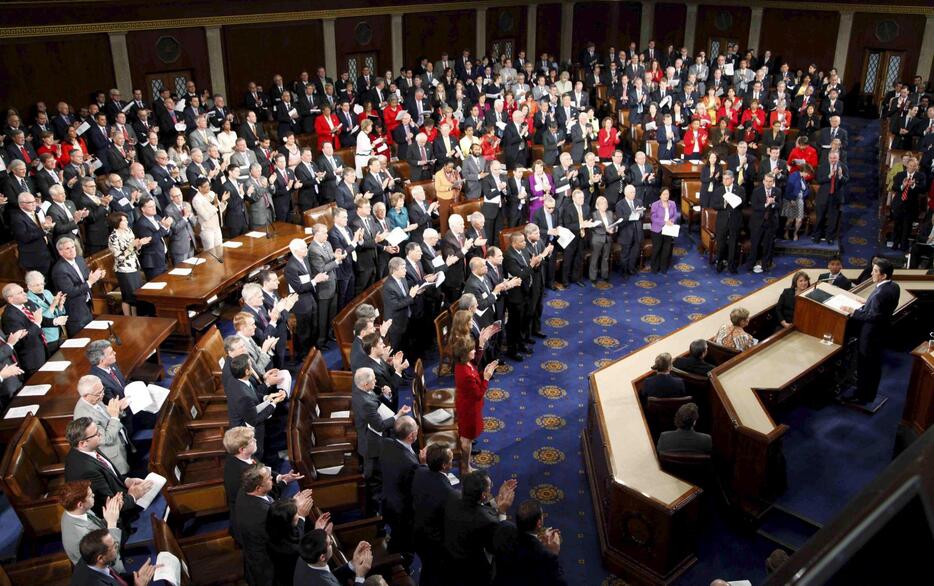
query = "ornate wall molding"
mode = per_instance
[{"x": 304, "y": 15}]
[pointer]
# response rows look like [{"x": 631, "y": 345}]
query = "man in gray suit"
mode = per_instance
[
  {"x": 242, "y": 157},
  {"x": 182, "y": 230},
  {"x": 66, "y": 217},
  {"x": 325, "y": 259},
  {"x": 475, "y": 169},
  {"x": 262, "y": 212},
  {"x": 146, "y": 186},
  {"x": 78, "y": 520},
  {"x": 114, "y": 439},
  {"x": 370, "y": 426},
  {"x": 202, "y": 135}
]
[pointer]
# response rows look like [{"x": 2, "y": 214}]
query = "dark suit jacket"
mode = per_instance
[
  {"x": 30, "y": 350},
  {"x": 685, "y": 440},
  {"x": 85, "y": 576},
  {"x": 397, "y": 304},
  {"x": 77, "y": 305},
  {"x": 662, "y": 386},
  {"x": 693, "y": 365},
  {"x": 398, "y": 465},
  {"x": 250, "y": 534},
  {"x": 430, "y": 494},
  {"x": 366, "y": 418},
  {"x": 153, "y": 255},
  {"x": 63, "y": 225},
  {"x": 241, "y": 407},
  {"x": 521, "y": 558},
  {"x": 468, "y": 532},
  {"x": 308, "y": 576},
  {"x": 875, "y": 315},
  {"x": 838, "y": 281},
  {"x": 294, "y": 269},
  {"x": 30, "y": 240},
  {"x": 104, "y": 482}
]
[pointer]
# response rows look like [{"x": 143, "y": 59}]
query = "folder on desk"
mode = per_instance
[{"x": 819, "y": 295}]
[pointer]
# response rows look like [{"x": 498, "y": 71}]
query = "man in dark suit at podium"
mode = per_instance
[{"x": 874, "y": 318}]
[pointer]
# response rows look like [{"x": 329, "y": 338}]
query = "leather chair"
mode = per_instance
[
  {"x": 308, "y": 140},
  {"x": 718, "y": 354},
  {"x": 427, "y": 185},
  {"x": 105, "y": 295},
  {"x": 323, "y": 214},
  {"x": 660, "y": 413},
  {"x": 709, "y": 235},
  {"x": 10, "y": 271},
  {"x": 446, "y": 433},
  {"x": 209, "y": 558},
  {"x": 49, "y": 570},
  {"x": 400, "y": 169},
  {"x": 343, "y": 322},
  {"x": 272, "y": 131},
  {"x": 30, "y": 474},
  {"x": 700, "y": 388},
  {"x": 505, "y": 234},
  {"x": 466, "y": 208},
  {"x": 692, "y": 467},
  {"x": 194, "y": 474},
  {"x": 346, "y": 154},
  {"x": 690, "y": 201},
  {"x": 440, "y": 398}
]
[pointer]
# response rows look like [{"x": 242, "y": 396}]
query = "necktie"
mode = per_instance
[
  {"x": 833, "y": 178},
  {"x": 104, "y": 462},
  {"x": 113, "y": 574},
  {"x": 32, "y": 317},
  {"x": 26, "y": 158},
  {"x": 580, "y": 219},
  {"x": 905, "y": 187}
]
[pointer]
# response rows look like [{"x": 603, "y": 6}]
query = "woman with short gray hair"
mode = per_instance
[{"x": 52, "y": 306}]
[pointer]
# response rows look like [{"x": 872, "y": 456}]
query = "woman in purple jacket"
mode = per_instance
[{"x": 664, "y": 213}]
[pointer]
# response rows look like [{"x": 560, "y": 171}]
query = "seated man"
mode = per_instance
[
  {"x": 662, "y": 385},
  {"x": 694, "y": 362},
  {"x": 835, "y": 275},
  {"x": 684, "y": 438}
]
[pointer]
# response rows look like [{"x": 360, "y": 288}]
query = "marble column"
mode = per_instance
[
  {"x": 121, "y": 63},
  {"x": 216, "y": 60}
]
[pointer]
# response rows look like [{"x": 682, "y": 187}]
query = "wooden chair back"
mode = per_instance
[{"x": 660, "y": 413}]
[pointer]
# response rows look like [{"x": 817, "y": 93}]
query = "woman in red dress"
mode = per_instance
[
  {"x": 390, "y": 114},
  {"x": 470, "y": 387}
]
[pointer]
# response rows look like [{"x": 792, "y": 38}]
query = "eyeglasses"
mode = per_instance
[{"x": 92, "y": 436}]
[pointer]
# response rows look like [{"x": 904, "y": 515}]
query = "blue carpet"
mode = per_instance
[{"x": 535, "y": 410}]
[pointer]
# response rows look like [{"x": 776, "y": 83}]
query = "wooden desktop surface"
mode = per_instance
[
  {"x": 139, "y": 338},
  {"x": 211, "y": 277}
]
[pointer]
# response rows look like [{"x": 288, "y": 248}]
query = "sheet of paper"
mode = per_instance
[
  {"x": 232, "y": 244},
  {"x": 563, "y": 188},
  {"x": 619, "y": 221},
  {"x": 181, "y": 127},
  {"x": 309, "y": 230},
  {"x": 437, "y": 261},
  {"x": 180, "y": 105},
  {"x": 180, "y": 272},
  {"x": 20, "y": 412},
  {"x": 400, "y": 114},
  {"x": 439, "y": 280},
  {"x": 34, "y": 391},
  {"x": 635, "y": 216},
  {"x": 695, "y": 208},
  {"x": 733, "y": 200},
  {"x": 330, "y": 470},
  {"x": 494, "y": 200},
  {"x": 194, "y": 261},
  {"x": 98, "y": 324},
  {"x": 304, "y": 279},
  {"x": 396, "y": 236},
  {"x": 255, "y": 234},
  {"x": 123, "y": 202},
  {"x": 728, "y": 69},
  {"x": 75, "y": 343},
  {"x": 159, "y": 395},
  {"x": 454, "y": 480},
  {"x": 55, "y": 366},
  {"x": 138, "y": 395},
  {"x": 438, "y": 416},
  {"x": 168, "y": 568},
  {"x": 480, "y": 312},
  {"x": 126, "y": 108},
  {"x": 839, "y": 301},
  {"x": 155, "y": 285},
  {"x": 500, "y": 124},
  {"x": 83, "y": 128},
  {"x": 293, "y": 113},
  {"x": 94, "y": 164},
  {"x": 357, "y": 109},
  {"x": 158, "y": 481},
  {"x": 672, "y": 230},
  {"x": 565, "y": 237},
  {"x": 339, "y": 414},
  {"x": 385, "y": 412}
]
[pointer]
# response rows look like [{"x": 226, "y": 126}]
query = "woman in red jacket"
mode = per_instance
[
  {"x": 327, "y": 127},
  {"x": 607, "y": 139},
  {"x": 802, "y": 153},
  {"x": 469, "y": 388},
  {"x": 390, "y": 116}
]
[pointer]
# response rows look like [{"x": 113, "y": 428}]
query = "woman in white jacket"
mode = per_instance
[
  {"x": 364, "y": 146},
  {"x": 209, "y": 210}
]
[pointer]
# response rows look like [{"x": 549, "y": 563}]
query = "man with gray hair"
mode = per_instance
[
  {"x": 66, "y": 216},
  {"x": 398, "y": 462},
  {"x": 71, "y": 276},
  {"x": 370, "y": 428},
  {"x": 303, "y": 280},
  {"x": 694, "y": 362},
  {"x": 103, "y": 360},
  {"x": 182, "y": 228},
  {"x": 114, "y": 440},
  {"x": 31, "y": 229},
  {"x": 325, "y": 260},
  {"x": 398, "y": 301}
]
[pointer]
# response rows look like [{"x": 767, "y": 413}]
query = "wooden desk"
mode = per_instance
[
  {"x": 816, "y": 318},
  {"x": 919, "y": 404},
  {"x": 139, "y": 338},
  {"x": 211, "y": 280}
]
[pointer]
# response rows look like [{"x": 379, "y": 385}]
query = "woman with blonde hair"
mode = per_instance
[
  {"x": 733, "y": 335},
  {"x": 364, "y": 147}
]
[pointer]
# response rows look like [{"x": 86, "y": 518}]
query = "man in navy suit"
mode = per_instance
[
  {"x": 85, "y": 462},
  {"x": 103, "y": 360},
  {"x": 31, "y": 229},
  {"x": 71, "y": 276},
  {"x": 303, "y": 280},
  {"x": 22, "y": 314},
  {"x": 315, "y": 550},
  {"x": 245, "y": 404},
  {"x": 153, "y": 254},
  {"x": 662, "y": 385},
  {"x": 343, "y": 238},
  {"x": 874, "y": 318},
  {"x": 431, "y": 490},
  {"x": 398, "y": 462}
]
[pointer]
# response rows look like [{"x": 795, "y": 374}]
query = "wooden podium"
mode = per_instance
[
  {"x": 918, "y": 415},
  {"x": 817, "y": 311}
]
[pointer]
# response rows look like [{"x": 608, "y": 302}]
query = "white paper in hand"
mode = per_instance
[
  {"x": 565, "y": 237},
  {"x": 437, "y": 261},
  {"x": 396, "y": 236},
  {"x": 158, "y": 481},
  {"x": 733, "y": 200},
  {"x": 168, "y": 569},
  {"x": 672, "y": 230},
  {"x": 181, "y": 127},
  {"x": 83, "y": 128},
  {"x": 385, "y": 412},
  {"x": 439, "y": 280}
]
